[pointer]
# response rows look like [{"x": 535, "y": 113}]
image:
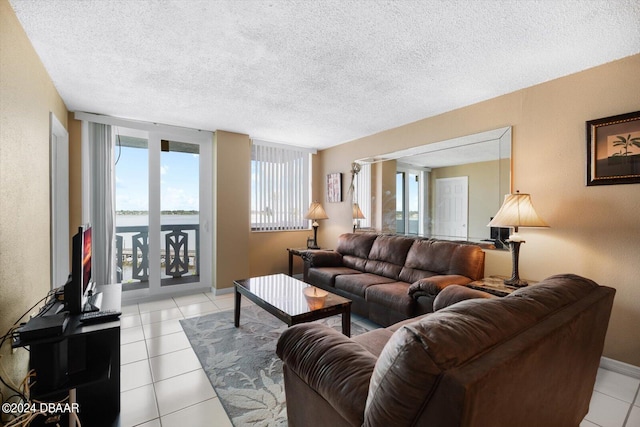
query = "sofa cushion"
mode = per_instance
[
  {"x": 442, "y": 257},
  {"x": 325, "y": 277},
  {"x": 357, "y": 284},
  {"x": 467, "y": 260},
  {"x": 357, "y": 245},
  {"x": 382, "y": 268},
  {"x": 392, "y": 295},
  {"x": 391, "y": 249},
  {"x": 354, "y": 262},
  {"x": 387, "y": 256}
]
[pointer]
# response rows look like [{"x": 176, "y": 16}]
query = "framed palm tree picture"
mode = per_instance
[{"x": 613, "y": 150}]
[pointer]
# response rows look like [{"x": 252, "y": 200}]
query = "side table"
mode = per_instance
[
  {"x": 494, "y": 285},
  {"x": 296, "y": 252}
]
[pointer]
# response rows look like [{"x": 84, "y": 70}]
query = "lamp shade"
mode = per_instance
[
  {"x": 316, "y": 212},
  {"x": 517, "y": 211},
  {"x": 357, "y": 213}
]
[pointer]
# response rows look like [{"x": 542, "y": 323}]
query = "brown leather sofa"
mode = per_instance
[
  {"x": 528, "y": 359},
  {"x": 390, "y": 278}
]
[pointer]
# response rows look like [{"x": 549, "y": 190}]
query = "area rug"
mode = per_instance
[{"x": 242, "y": 364}]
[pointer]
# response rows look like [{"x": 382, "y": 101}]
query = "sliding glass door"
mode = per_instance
[
  {"x": 163, "y": 212},
  {"x": 132, "y": 208},
  {"x": 179, "y": 213},
  {"x": 410, "y": 201}
]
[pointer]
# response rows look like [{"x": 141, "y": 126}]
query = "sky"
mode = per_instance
[{"x": 178, "y": 180}]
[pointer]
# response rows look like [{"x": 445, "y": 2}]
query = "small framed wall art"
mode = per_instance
[
  {"x": 613, "y": 150},
  {"x": 334, "y": 187}
]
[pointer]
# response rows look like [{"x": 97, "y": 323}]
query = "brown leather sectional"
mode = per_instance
[
  {"x": 528, "y": 359},
  {"x": 390, "y": 278}
]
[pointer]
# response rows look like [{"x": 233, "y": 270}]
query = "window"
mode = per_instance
[
  {"x": 410, "y": 201},
  {"x": 363, "y": 195},
  {"x": 280, "y": 187}
]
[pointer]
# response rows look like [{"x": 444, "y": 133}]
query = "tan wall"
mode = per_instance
[
  {"x": 232, "y": 160},
  {"x": 268, "y": 254},
  {"x": 594, "y": 230},
  {"x": 27, "y": 96}
]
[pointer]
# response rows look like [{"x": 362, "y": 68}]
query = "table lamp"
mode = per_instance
[
  {"x": 315, "y": 213},
  {"x": 357, "y": 216},
  {"x": 516, "y": 211}
]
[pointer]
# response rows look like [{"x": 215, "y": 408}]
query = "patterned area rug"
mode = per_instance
[{"x": 242, "y": 364}]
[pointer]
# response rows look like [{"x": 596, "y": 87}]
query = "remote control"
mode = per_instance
[{"x": 100, "y": 316}]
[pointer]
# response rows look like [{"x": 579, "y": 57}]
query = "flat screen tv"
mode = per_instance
[{"x": 79, "y": 288}]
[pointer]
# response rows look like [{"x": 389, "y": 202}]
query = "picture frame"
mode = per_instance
[
  {"x": 334, "y": 187},
  {"x": 613, "y": 150}
]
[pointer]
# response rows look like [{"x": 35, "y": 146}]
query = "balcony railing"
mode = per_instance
[{"x": 180, "y": 264}]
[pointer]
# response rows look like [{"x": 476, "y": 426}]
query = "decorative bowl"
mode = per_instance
[{"x": 315, "y": 297}]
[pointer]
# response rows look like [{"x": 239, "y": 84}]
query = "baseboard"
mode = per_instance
[
  {"x": 224, "y": 291},
  {"x": 620, "y": 367}
]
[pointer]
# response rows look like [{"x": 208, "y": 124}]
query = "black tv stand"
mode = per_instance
[
  {"x": 83, "y": 361},
  {"x": 94, "y": 303}
]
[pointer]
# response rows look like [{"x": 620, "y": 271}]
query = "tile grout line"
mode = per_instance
[{"x": 633, "y": 401}]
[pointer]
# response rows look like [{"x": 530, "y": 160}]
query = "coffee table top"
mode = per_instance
[{"x": 286, "y": 294}]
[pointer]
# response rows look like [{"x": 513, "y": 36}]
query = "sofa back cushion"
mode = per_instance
[
  {"x": 429, "y": 257},
  {"x": 387, "y": 256},
  {"x": 415, "y": 363},
  {"x": 355, "y": 249}
]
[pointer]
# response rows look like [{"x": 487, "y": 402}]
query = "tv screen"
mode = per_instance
[
  {"x": 79, "y": 284},
  {"x": 86, "y": 259}
]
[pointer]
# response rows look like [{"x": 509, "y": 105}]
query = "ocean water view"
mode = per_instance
[{"x": 143, "y": 220}]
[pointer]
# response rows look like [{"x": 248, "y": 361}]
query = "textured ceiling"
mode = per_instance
[{"x": 314, "y": 73}]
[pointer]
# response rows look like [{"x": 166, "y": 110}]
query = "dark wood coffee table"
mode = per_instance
[{"x": 283, "y": 297}]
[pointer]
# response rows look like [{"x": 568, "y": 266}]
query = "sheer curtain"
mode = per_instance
[{"x": 102, "y": 202}]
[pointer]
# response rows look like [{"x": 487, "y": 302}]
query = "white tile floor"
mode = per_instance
[{"x": 163, "y": 384}]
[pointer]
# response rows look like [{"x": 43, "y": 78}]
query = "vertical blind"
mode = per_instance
[{"x": 280, "y": 187}]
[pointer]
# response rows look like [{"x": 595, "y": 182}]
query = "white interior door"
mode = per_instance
[{"x": 452, "y": 208}]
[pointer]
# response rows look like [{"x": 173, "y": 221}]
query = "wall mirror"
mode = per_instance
[{"x": 446, "y": 190}]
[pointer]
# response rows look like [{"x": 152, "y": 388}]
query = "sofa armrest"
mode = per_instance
[
  {"x": 334, "y": 366},
  {"x": 322, "y": 258},
  {"x": 431, "y": 286},
  {"x": 456, "y": 293}
]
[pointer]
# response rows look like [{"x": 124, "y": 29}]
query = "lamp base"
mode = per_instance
[
  {"x": 315, "y": 236},
  {"x": 515, "y": 280}
]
